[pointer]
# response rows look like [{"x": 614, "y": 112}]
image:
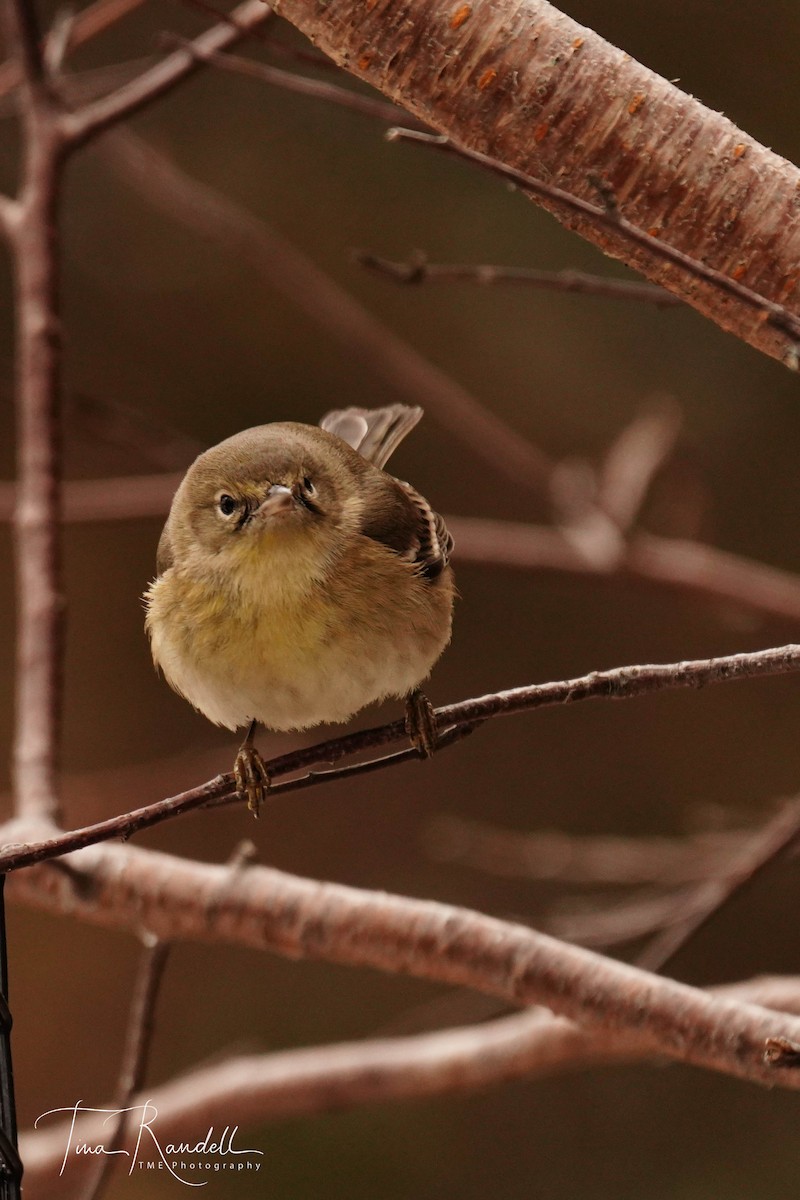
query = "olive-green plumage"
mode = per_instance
[{"x": 297, "y": 580}]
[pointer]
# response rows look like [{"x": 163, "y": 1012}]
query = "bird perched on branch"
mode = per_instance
[{"x": 299, "y": 582}]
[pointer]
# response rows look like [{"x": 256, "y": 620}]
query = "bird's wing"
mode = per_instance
[
  {"x": 401, "y": 519},
  {"x": 374, "y": 432},
  {"x": 434, "y": 541}
]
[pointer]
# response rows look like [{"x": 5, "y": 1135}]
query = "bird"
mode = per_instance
[{"x": 298, "y": 582}]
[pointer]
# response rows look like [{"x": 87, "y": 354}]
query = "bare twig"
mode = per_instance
[
  {"x": 33, "y": 240},
  {"x": 700, "y": 905},
  {"x": 669, "y": 562},
  {"x": 163, "y": 184},
  {"x": 84, "y": 25},
  {"x": 418, "y": 270},
  {"x": 453, "y": 720},
  {"x": 635, "y": 458},
  {"x": 602, "y": 924},
  {"x": 135, "y": 1054},
  {"x": 555, "y": 857},
  {"x": 301, "y": 85},
  {"x": 86, "y": 122},
  {"x": 609, "y": 217}
]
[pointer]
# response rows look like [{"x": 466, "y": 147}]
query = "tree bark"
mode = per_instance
[{"x": 522, "y": 82}]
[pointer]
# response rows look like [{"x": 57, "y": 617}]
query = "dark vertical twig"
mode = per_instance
[
  {"x": 10, "y": 1164},
  {"x": 135, "y": 1053}
]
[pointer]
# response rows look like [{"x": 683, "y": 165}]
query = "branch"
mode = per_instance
[
  {"x": 295, "y": 1083},
  {"x": 123, "y": 886},
  {"x": 671, "y": 562},
  {"x": 135, "y": 1055},
  {"x": 703, "y": 902},
  {"x": 453, "y": 720},
  {"x": 26, "y": 38},
  {"x": 551, "y": 856},
  {"x": 284, "y": 267},
  {"x": 524, "y": 83},
  {"x": 301, "y": 85},
  {"x": 418, "y": 271},
  {"x": 87, "y": 122},
  {"x": 683, "y": 565},
  {"x": 84, "y": 25},
  {"x": 609, "y": 218},
  {"x": 31, "y": 227}
]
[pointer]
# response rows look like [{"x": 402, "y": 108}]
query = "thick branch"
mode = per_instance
[
  {"x": 521, "y": 82},
  {"x": 124, "y": 887},
  {"x": 292, "y": 1083}
]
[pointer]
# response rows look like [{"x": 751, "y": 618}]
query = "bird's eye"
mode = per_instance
[
  {"x": 227, "y": 505},
  {"x": 309, "y": 486}
]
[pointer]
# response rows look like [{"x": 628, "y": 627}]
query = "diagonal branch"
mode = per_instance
[
  {"x": 291, "y": 272},
  {"x": 419, "y": 271},
  {"x": 138, "y": 1039},
  {"x": 86, "y": 122},
  {"x": 608, "y": 217},
  {"x": 265, "y": 909},
  {"x": 523, "y": 83},
  {"x": 293, "y": 1083},
  {"x": 618, "y": 684}
]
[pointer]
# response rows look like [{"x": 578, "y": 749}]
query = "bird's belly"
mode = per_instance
[{"x": 233, "y": 674}]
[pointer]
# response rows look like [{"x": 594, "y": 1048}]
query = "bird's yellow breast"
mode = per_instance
[{"x": 293, "y": 641}]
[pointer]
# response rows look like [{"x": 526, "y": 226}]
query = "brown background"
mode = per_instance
[{"x": 171, "y": 326}]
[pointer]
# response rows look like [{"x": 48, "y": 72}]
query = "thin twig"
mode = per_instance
[
  {"x": 302, "y": 85},
  {"x": 86, "y": 122},
  {"x": 135, "y": 1054},
  {"x": 610, "y": 218},
  {"x": 551, "y": 856},
  {"x": 602, "y": 924},
  {"x": 286, "y": 268},
  {"x": 633, "y": 460},
  {"x": 93, "y": 19},
  {"x": 701, "y": 904},
  {"x": 618, "y": 684},
  {"x": 418, "y": 271}
]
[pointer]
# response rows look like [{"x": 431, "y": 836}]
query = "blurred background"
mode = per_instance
[{"x": 173, "y": 343}]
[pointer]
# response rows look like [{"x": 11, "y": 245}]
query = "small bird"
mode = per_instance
[{"x": 298, "y": 582}]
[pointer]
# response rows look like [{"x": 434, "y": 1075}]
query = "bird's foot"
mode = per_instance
[
  {"x": 421, "y": 724},
  {"x": 251, "y": 775}
]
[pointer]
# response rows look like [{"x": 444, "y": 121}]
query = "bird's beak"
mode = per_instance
[{"x": 279, "y": 502}]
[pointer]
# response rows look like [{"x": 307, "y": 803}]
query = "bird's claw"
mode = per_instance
[
  {"x": 252, "y": 777},
  {"x": 421, "y": 724}
]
